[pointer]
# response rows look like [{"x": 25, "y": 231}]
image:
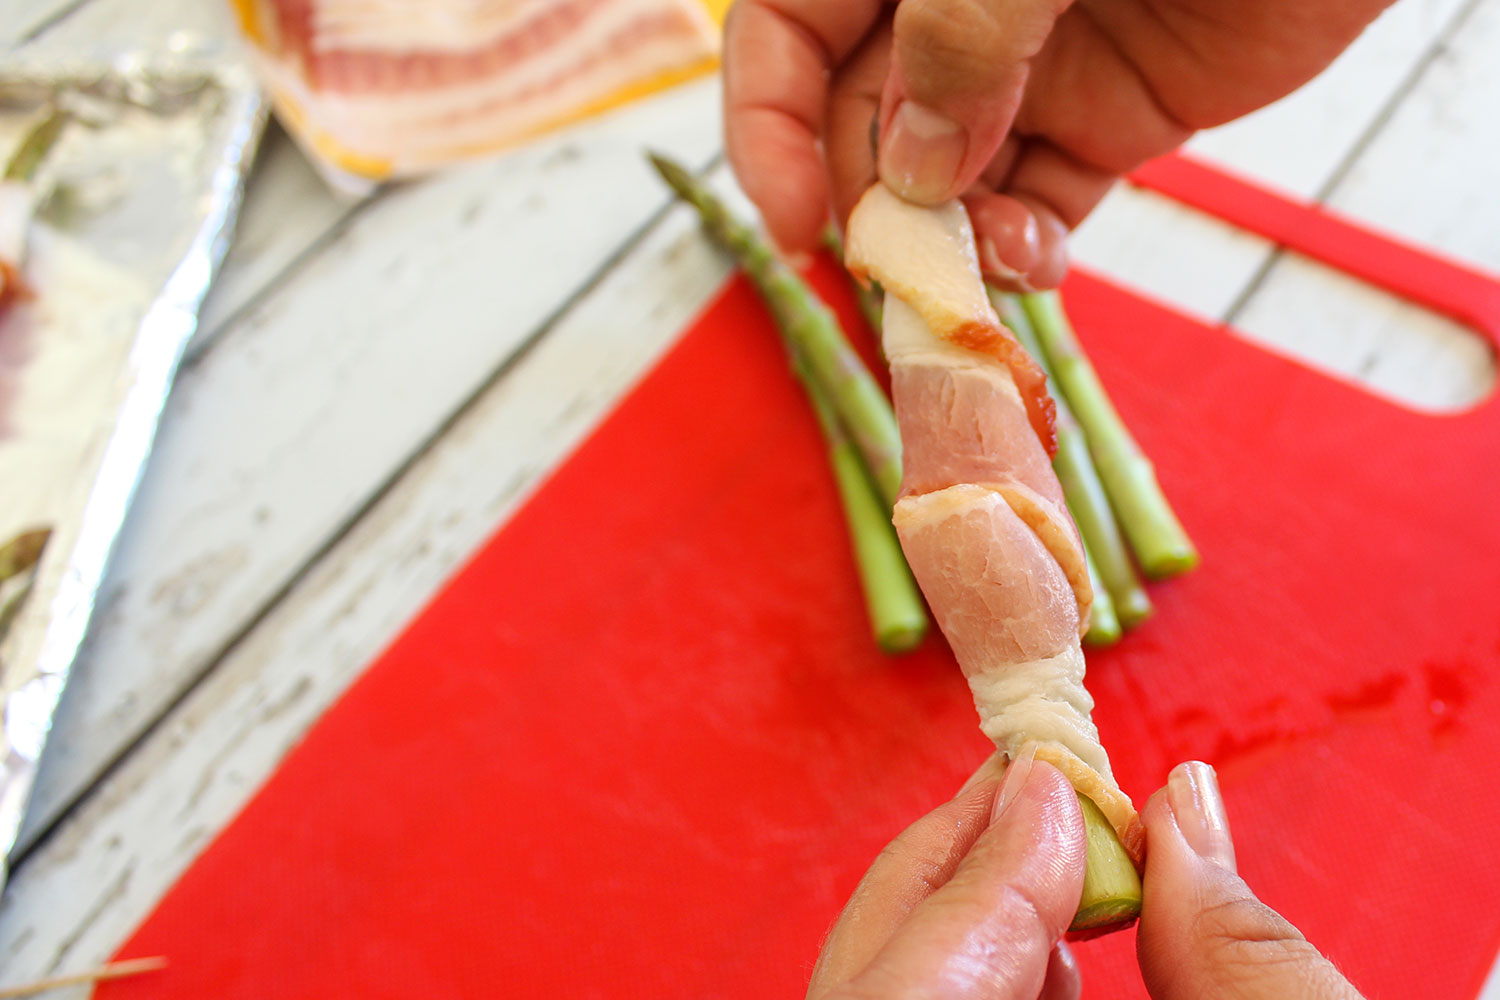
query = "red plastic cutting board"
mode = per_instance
[{"x": 641, "y": 746}]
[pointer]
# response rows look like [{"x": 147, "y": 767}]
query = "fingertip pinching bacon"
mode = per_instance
[{"x": 982, "y": 518}]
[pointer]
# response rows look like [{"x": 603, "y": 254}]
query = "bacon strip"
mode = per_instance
[
  {"x": 385, "y": 87},
  {"x": 982, "y": 519},
  {"x": 926, "y": 257},
  {"x": 16, "y": 205}
]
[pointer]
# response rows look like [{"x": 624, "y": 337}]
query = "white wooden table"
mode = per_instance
[{"x": 377, "y": 386}]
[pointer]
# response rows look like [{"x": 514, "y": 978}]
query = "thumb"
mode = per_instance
[
  {"x": 1202, "y": 931},
  {"x": 989, "y": 932},
  {"x": 957, "y": 71}
]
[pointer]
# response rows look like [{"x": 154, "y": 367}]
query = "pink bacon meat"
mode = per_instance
[
  {"x": 982, "y": 518},
  {"x": 413, "y": 85}
]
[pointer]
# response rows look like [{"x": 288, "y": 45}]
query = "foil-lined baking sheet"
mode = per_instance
[{"x": 126, "y": 214}]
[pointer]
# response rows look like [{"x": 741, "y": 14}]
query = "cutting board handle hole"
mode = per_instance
[{"x": 1427, "y": 327}]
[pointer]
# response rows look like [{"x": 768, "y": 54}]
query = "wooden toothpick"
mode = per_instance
[{"x": 114, "y": 970}]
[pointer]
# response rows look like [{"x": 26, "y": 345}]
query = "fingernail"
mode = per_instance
[
  {"x": 921, "y": 152},
  {"x": 1193, "y": 793},
  {"x": 990, "y": 770},
  {"x": 1015, "y": 780},
  {"x": 996, "y": 269}
]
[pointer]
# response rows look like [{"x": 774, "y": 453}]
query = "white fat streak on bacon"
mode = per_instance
[
  {"x": 425, "y": 109},
  {"x": 393, "y": 47},
  {"x": 17, "y": 203},
  {"x": 964, "y": 420},
  {"x": 418, "y": 130},
  {"x": 1008, "y": 612},
  {"x": 982, "y": 518},
  {"x": 923, "y": 256},
  {"x": 404, "y": 26}
]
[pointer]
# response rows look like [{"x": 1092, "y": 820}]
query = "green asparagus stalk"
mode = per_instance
[
  {"x": 892, "y": 599},
  {"x": 1111, "y": 886},
  {"x": 22, "y": 552},
  {"x": 34, "y": 147},
  {"x": 844, "y": 394},
  {"x": 1157, "y": 538},
  {"x": 1104, "y": 623},
  {"x": 807, "y": 324},
  {"x": 869, "y": 296},
  {"x": 18, "y": 557},
  {"x": 1085, "y": 494},
  {"x": 864, "y": 445}
]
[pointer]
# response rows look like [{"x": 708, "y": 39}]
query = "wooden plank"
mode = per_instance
[
  {"x": 288, "y": 210},
  {"x": 1298, "y": 144},
  {"x": 20, "y": 19},
  {"x": 78, "y": 896},
  {"x": 92, "y": 27},
  {"x": 111, "y": 859},
  {"x": 274, "y": 441},
  {"x": 1424, "y": 178}
]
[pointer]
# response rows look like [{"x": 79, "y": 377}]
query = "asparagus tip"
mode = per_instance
[{"x": 674, "y": 173}]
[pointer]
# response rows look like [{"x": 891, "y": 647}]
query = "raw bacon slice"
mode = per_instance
[
  {"x": 16, "y": 205},
  {"x": 925, "y": 257},
  {"x": 982, "y": 518},
  {"x": 390, "y": 87}
]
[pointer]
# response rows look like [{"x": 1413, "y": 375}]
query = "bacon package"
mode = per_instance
[{"x": 375, "y": 89}]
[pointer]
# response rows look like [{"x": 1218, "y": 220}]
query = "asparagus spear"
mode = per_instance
[
  {"x": 891, "y": 595},
  {"x": 809, "y": 325},
  {"x": 1104, "y": 623},
  {"x": 826, "y": 360},
  {"x": 1157, "y": 538},
  {"x": 1081, "y": 486},
  {"x": 22, "y": 552},
  {"x": 843, "y": 395},
  {"x": 1111, "y": 886},
  {"x": 33, "y": 149},
  {"x": 868, "y": 295}
]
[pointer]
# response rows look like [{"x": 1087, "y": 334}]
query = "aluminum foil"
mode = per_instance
[{"x": 137, "y": 199}]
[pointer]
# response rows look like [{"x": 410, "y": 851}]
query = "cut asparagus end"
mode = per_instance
[
  {"x": 1160, "y": 544},
  {"x": 1132, "y": 606},
  {"x": 1110, "y": 565},
  {"x": 1104, "y": 621},
  {"x": 898, "y": 617},
  {"x": 1111, "y": 886},
  {"x": 897, "y": 614}
]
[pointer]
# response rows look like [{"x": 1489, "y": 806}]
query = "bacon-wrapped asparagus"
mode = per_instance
[{"x": 981, "y": 517}]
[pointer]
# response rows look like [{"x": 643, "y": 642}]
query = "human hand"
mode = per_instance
[
  {"x": 1202, "y": 931},
  {"x": 1030, "y": 109},
  {"x": 965, "y": 906},
  {"x": 968, "y": 902}
]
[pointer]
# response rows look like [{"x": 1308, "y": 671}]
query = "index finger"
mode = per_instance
[{"x": 778, "y": 55}]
